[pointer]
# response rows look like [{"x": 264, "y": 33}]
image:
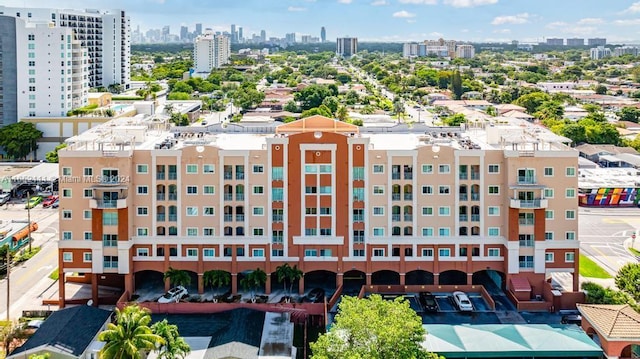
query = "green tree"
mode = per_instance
[
  {"x": 322, "y": 111},
  {"x": 246, "y": 96},
  {"x": 52, "y": 156},
  {"x": 283, "y": 273},
  {"x": 597, "y": 294},
  {"x": 173, "y": 345},
  {"x": 253, "y": 281},
  {"x": 312, "y": 96},
  {"x": 178, "y": 96},
  {"x": 19, "y": 139},
  {"x": 532, "y": 101},
  {"x": 601, "y": 90},
  {"x": 216, "y": 278},
  {"x": 332, "y": 103},
  {"x": 177, "y": 277},
  {"x": 631, "y": 114},
  {"x": 130, "y": 337},
  {"x": 456, "y": 85},
  {"x": 291, "y": 106},
  {"x": 550, "y": 110},
  {"x": 628, "y": 279},
  {"x": 342, "y": 114},
  {"x": 454, "y": 120},
  {"x": 373, "y": 328}
]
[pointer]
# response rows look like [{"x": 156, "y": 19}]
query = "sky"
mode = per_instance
[{"x": 385, "y": 20}]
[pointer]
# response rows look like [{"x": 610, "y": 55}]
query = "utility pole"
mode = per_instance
[
  {"x": 8, "y": 278},
  {"x": 29, "y": 220}
]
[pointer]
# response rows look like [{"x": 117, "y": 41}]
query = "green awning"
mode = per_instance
[{"x": 509, "y": 340}]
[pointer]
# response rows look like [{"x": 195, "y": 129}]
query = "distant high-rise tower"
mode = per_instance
[
  {"x": 240, "y": 35},
  {"x": 210, "y": 51},
  {"x": 234, "y": 34},
  {"x": 263, "y": 36},
  {"x": 184, "y": 33},
  {"x": 198, "y": 29},
  {"x": 346, "y": 46},
  {"x": 323, "y": 34}
]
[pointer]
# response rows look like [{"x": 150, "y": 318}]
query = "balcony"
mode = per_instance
[
  {"x": 527, "y": 180},
  {"x": 239, "y": 175},
  {"x": 408, "y": 218},
  {"x": 160, "y": 196},
  {"x": 395, "y": 196},
  {"x": 395, "y": 217},
  {"x": 475, "y": 218},
  {"x": 228, "y": 175},
  {"x": 108, "y": 203},
  {"x": 463, "y": 176},
  {"x": 463, "y": 196},
  {"x": 228, "y": 196},
  {"x": 358, "y": 218},
  {"x": 277, "y": 217},
  {"x": 160, "y": 217},
  {"x": 239, "y": 196},
  {"x": 408, "y": 196},
  {"x": 408, "y": 175},
  {"x": 173, "y": 196},
  {"x": 475, "y": 175},
  {"x": 538, "y": 203},
  {"x": 463, "y": 218},
  {"x": 173, "y": 175},
  {"x": 475, "y": 196},
  {"x": 173, "y": 218},
  {"x": 358, "y": 239},
  {"x": 228, "y": 217},
  {"x": 160, "y": 176},
  {"x": 239, "y": 217},
  {"x": 526, "y": 221},
  {"x": 395, "y": 176}
]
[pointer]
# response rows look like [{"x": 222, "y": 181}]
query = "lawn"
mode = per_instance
[
  {"x": 591, "y": 269},
  {"x": 634, "y": 251}
]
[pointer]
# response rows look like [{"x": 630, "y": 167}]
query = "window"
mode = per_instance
[
  {"x": 443, "y": 190},
  {"x": 88, "y": 193},
  {"x": 358, "y": 194},
  {"x": 444, "y": 252},
  {"x": 258, "y": 211},
  {"x": 427, "y": 169},
  {"x": 494, "y": 190},
  {"x": 427, "y": 189},
  {"x": 142, "y": 190},
  {"x": 462, "y": 252},
  {"x": 493, "y": 252},
  {"x": 444, "y": 232},
  {"x": 325, "y": 168},
  {"x": 570, "y": 171},
  {"x": 548, "y": 193},
  {"x": 378, "y": 211},
  {"x": 110, "y": 218},
  {"x": 209, "y": 232},
  {"x": 310, "y": 231},
  {"x": 548, "y": 214},
  {"x": 325, "y": 253},
  {"x": 110, "y": 240},
  {"x": 209, "y": 252},
  {"x": 310, "y": 253},
  {"x": 66, "y": 193},
  {"x": 325, "y": 231},
  {"x": 277, "y": 194},
  {"x": 427, "y": 211},
  {"x": 444, "y": 211},
  {"x": 378, "y": 168},
  {"x": 257, "y": 252},
  {"x": 142, "y": 252},
  {"x": 87, "y": 171},
  {"x": 427, "y": 232},
  {"x": 548, "y": 171},
  {"x": 66, "y": 236},
  {"x": 358, "y": 173},
  {"x": 378, "y": 190},
  {"x": 325, "y": 190},
  {"x": 548, "y": 257},
  {"x": 208, "y": 169},
  {"x": 209, "y": 190},
  {"x": 444, "y": 169},
  {"x": 548, "y": 236},
  {"x": 310, "y": 189},
  {"x": 87, "y": 257},
  {"x": 258, "y": 169},
  {"x": 493, "y": 211},
  {"x": 378, "y": 252},
  {"x": 142, "y": 232},
  {"x": 325, "y": 211},
  {"x": 259, "y": 232},
  {"x": 358, "y": 252},
  {"x": 66, "y": 171},
  {"x": 208, "y": 211},
  {"x": 570, "y": 193},
  {"x": 66, "y": 214},
  {"x": 569, "y": 257},
  {"x": 494, "y": 231},
  {"x": 277, "y": 173},
  {"x": 143, "y": 211},
  {"x": 494, "y": 169},
  {"x": 142, "y": 169},
  {"x": 192, "y": 211},
  {"x": 427, "y": 252},
  {"x": 311, "y": 210},
  {"x": 570, "y": 236},
  {"x": 277, "y": 253},
  {"x": 192, "y": 190},
  {"x": 192, "y": 231},
  {"x": 88, "y": 236},
  {"x": 378, "y": 232},
  {"x": 258, "y": 190},
  {"x": 67, "y": 257},
  {"x": 192, "y": 252},
  {"x": 570, "y": 214},
  {"x": 525, "y": 261},
  {"x": 192, "y": 169}
]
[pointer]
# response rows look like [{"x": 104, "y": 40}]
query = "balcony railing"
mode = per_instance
[
  {"x": 277, "y": 217},
  {"x": 526, "y": 243},
  {"x": 537, "y": 203},
  {"x": 475, "y": 218},
  {"x": 358, "y": 239},
  {"x": 527, "y": 180},
  {"x": 239, "y": 196},
  {"x": 358, "y": 218},
  {"x": 463, "y": 217},
  {"x": 173, "y": 175},
  {"x": 462, "y": 175},
  {"x": 526, "y": 221},
  {"x": 160, "y": 175},
  {"x": 463, "y": 196},
  {"x": 277, "y": 239},
  {"x": 160, "y": 196},
  {"x": 408, "y": 175},
  {"x": 239, "y": 175},
  {"x": 475, "y": 196},
  {"x": 160, "y": 217},
  {"x": 395, "y": 196},
  {"x": 108, "y": 203},
  {"x": 173, "y": 196},
  {"x": 408, "y": 217},
  {"x": 395, "y": 217},
  {"x": 228, "y": 175},
  {"x": 173, "y": 218},
  {"x": 408, "y": 196},
  {"x": 239, "y": 217},
  {"x": 110, "y": 265},
  {"x": 228, "y": 196},
  {"x": 395, "y": 176},
  {"x": 475, "y": 175}
]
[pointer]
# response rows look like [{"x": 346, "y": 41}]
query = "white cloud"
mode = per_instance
[
  {"x": 436, "y": 34},
  {"x": 379, "y": 3},
  {"x": 630, "y": 22},
  {"x": 635, "y": 7},
  {"x": 469, "y": 3},
  {"x": 556, "y": 24},
  {"x": 403, "y": 14},
  {"x": 296, "y": 8},
  {"x": 345, "y": 1},
  {"x": 502, "y": 31},
  {"x": 590, "y": 21},
  {"x": 511, "y": 19},
  {"x": 419, "y": 2}
]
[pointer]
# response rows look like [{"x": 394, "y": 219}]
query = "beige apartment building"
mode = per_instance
[{"x": 349, "y": 206}]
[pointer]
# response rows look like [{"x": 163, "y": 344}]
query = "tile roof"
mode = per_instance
[{"x": 612, "y": 321}]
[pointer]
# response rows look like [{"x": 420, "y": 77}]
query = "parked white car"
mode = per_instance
[
  {"x": 174, "y": 295},
  {"x": 462, "y": 301}
]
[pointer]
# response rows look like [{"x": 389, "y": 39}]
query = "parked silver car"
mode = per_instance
[{"x": 174, "y": 295}]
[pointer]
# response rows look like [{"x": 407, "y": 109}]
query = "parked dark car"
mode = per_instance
[
  {"x": 428, "y": 301},
  {"x": 316, "y": 295}
]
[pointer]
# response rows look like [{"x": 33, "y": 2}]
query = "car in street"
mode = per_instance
[
  {"x": 316, "y": 295},
  {"x": 33, "y": 201},
  {"x": 428, "y": 301},
  {"x": 174, "y": 295},
  {"x": 462, "y": 301},
  {"x": 5, "y": 198},
  {"x": 49, "y": 201},
  {"x": 56, "y": 203}
]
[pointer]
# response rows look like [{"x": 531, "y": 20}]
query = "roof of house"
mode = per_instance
[
  {"x": 589, "y": 150},
  {"x": 69, "y": 331},
  {"x": 317, "y": 123},
  {"x": 612, "y": 321},
  {"x": 517, "y": 114}
]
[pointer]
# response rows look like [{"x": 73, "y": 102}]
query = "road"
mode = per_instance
[
  {"x": 602, "y": 233},
  {"x": 31, "y": 278}
]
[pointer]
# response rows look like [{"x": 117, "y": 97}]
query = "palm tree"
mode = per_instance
[
  {"x": 253, "y": 280},
  {"x": 283, "y": 272},
  {"x": 130, "y": 337},
  {"x": 177, "y": 277},
  {"x": 216, "y": 279},
  {"x": 174, "y": 345},
  {"x": 294, "y": 276}
]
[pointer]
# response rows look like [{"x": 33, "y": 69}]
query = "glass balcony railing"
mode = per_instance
[
  {"x": 395, "y": 196},
  {"x": 395, "y": 217},
  {"x": 160, "y": 217},
  {"x": 228, "y": 217},
  {"x": 228, "y": 196}
]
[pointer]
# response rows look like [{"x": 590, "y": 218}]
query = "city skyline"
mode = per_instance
[{"x": 402, "y": 20}]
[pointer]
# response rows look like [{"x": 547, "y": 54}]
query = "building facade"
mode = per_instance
[
  {"x": 575, "y": 41},
  {"x": 36, "y": 80},
  {"x": 348, "y": 207},
  {"x": 210, "y": 51},
  {"x": 599, "y": 52},
  {"x": 106, "y": 35},
  {"x": 625, "y": 50},
  {"x": 597, "y": 41},
  {"x": 346, "y": 46},
  {"x": 555, "y": 42},
  {"x": 465, "y": 51}
]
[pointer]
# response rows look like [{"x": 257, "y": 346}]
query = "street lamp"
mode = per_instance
[{"x": 29, "y": 219}]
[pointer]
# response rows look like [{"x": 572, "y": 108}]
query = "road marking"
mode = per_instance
[
  {"x": 30, "y": 271},
  {"x": 45, "y": 268}
]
